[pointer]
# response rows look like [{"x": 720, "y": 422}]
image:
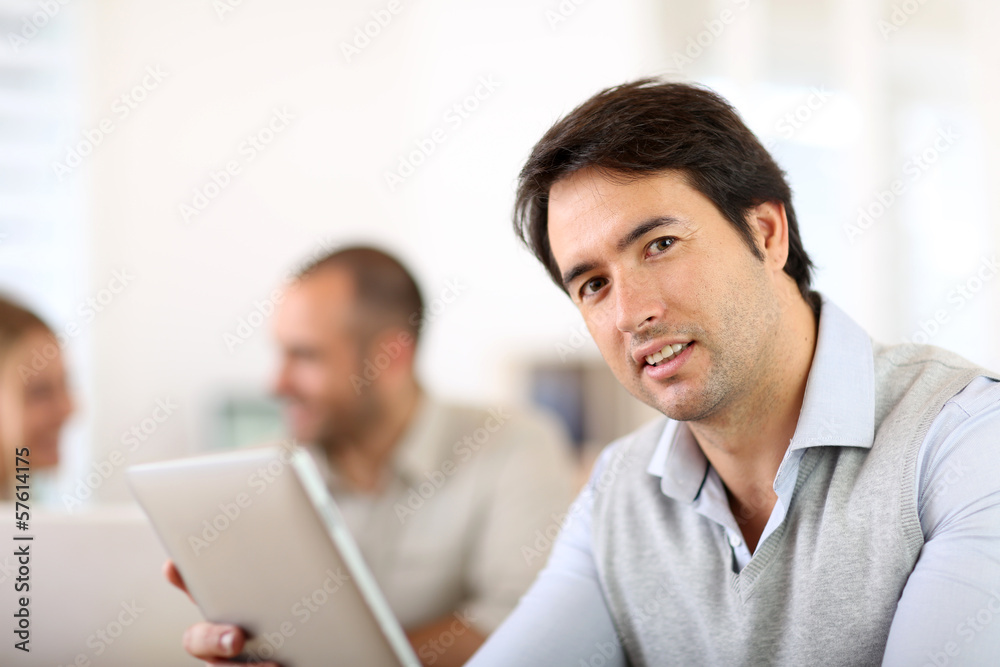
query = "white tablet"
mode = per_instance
[{"x": 261, "y": 544}]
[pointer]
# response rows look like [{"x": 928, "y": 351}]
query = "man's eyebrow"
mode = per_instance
[
  {"x": 644, "y": 228},
  {"x": 634, "y": 235},
  {"x": 577, "y": 271}
]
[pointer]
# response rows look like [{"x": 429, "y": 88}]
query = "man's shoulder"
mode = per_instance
[
  {"x": 968, "y": 420},
  {"x": 921, "y": 354},
  {"x": 921, "y": 371}
]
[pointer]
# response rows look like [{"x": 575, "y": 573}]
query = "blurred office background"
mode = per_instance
[{"x": 121, "y": 224}]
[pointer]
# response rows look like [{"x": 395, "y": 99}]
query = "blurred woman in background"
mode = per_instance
[{"x": 34, "y": 400}]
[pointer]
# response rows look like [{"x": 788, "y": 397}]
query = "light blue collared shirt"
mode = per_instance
[{"x": 949, "y": 612}]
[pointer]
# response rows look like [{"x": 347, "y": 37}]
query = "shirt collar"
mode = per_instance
[{"x": 838, "y": 407}]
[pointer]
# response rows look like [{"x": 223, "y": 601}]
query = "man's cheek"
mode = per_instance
[{"x": 601, "y": 319}]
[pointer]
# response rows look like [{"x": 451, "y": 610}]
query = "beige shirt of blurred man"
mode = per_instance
[
  {"x": 453, "y": 507},
  {"x": 464, "y": 516}
]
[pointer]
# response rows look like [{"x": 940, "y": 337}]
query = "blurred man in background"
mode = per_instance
[{"x": 446, "y": 502}]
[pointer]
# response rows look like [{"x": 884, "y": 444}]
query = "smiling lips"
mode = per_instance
[{"x": 666, "y": 354}]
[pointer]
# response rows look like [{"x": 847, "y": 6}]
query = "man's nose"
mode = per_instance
[{"x": 637, "y": 306}]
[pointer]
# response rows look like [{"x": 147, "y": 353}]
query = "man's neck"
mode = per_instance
[
  {"x": 747, "y": 443},
  {"x": 363, "y": 461}
]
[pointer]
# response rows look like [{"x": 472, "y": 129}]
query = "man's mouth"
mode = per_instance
[{"x": 666, "y": 354}]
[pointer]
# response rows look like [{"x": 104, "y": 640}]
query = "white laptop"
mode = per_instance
[
  {"x": 96, "y": 594},
  {"x": 261, "y": 544}
]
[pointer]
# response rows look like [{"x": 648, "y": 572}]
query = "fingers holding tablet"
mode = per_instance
[
  {"x": 208, "y": 641},
  {"x": 214, "y": 642}
]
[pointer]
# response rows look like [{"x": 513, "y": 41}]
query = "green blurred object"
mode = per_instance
[{"x": 245, "y": 421}]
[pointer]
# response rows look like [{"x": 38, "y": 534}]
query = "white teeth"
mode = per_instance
[{"x": 666, "y": 354}]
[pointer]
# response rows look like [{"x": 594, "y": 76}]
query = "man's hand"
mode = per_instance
[
  {"x": 212, "y": 642},
  {"x": 446, "y": 642}
]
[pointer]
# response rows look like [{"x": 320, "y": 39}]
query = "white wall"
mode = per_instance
[{"x": 322, "y": 180}]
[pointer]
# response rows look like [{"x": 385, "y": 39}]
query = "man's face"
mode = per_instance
[
  {"x": 315, "y": 326},
  {"x": 652, "y": 262}
]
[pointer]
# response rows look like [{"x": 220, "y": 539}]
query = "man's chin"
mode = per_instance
[
  {"x": 682, "y": 415},
  {"x": 675, "y": 403}
]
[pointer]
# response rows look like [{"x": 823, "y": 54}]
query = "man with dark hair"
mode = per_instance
[
  {"x": 441, "y": 498},
  {"x": 811, "y": 496}
]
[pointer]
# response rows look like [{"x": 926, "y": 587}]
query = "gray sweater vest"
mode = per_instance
[{"x": 822, "y": 589}]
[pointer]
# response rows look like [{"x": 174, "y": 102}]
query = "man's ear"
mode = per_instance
[
  {"x": 392, "y": 352},
  {"x": 770, "y": 227}
]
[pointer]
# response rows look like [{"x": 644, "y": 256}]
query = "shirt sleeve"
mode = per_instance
[
  {"x": 563, "y": 620},
  {"x": 949, "y": 612}
]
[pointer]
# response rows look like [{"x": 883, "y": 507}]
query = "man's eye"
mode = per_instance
[
  {"x": 659, "y": 245},
  {"x": 592, "y": 285}
]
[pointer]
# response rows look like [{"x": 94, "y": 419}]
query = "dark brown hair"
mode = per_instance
[
  {"x": 650, "y": 126},
  {"x": 384, "y": 288}
]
